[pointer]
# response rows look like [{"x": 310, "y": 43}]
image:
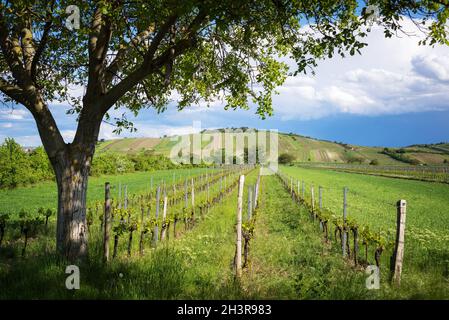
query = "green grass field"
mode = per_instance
[{"x": 45, "y": 194}]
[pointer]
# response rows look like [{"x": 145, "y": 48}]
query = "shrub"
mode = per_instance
[
  {"x": 374, "y": 162},
  {"x": 286, "y": 158}
]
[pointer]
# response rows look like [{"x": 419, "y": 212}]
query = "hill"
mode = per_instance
[{"x": 307, "y": 149}]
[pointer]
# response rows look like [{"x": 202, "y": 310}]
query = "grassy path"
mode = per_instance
[
  {"x": 209, "y": 250},
  {"x": 289, "y": 259}
]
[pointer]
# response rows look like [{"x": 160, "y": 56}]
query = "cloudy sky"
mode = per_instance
[{"x": 396, "y": 93}]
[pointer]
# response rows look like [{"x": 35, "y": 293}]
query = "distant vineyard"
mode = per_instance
[{"x": 423, "y": 173}]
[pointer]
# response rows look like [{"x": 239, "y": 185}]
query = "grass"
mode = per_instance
[{"x": 45, "y": 194}]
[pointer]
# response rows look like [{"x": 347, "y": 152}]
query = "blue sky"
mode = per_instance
[{"x": 395, "y": 94}]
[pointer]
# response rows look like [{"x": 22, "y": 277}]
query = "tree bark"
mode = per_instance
[{"x": 71, "y": 229}]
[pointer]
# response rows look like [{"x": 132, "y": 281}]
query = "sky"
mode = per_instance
[{"x": 395, "y": 94}]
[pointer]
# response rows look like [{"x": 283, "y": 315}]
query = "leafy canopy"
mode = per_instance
[{"x": 140, "y": 54}]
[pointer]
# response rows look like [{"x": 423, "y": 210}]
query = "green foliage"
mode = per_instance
[
  {"x": 400, "y": 156},
  {"x": 286, "y": 158},
  {"x": 203, "y": 49},
  {"x": 19, "y": 168}
]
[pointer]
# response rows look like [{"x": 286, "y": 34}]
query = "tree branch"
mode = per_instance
[
  {"x": 42, "y": 43},
  {"x": 100, "y": 36},
  {"x": 151, "y": 64},
  {"x": 12, "y": 91},
  {"x": 116, "y": 64}
]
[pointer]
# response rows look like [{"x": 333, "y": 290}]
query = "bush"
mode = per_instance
[
  {"x": 374, "y": 162},
  {"x": 18, "y": 167},
  {"x": 400, "y": 156},
  {"x": 355, "y": 160},
  {"x": 286, "y": 158}
]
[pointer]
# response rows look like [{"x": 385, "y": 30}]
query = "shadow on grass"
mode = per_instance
[{"x": 44, "y": 277}]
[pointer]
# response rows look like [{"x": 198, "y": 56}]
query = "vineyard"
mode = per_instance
[
  {"x": 422, "y": 173},
  {"x": 230, "y": 233}
]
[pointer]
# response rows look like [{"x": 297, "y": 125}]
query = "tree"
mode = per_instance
[
  {"x": 136, "y": 53},
  {"x": 14, "y": 165},
  {"x": 286, "y": 158}
]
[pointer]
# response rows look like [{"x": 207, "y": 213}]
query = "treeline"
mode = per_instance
[
  {"x": 400, "y": 156},
  {"x": 20, "y": 168}
]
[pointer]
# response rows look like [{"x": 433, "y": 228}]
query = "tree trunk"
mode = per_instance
[{"x": 72, "y": 171}]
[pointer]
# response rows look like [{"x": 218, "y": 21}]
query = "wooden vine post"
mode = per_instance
[
  {"x": 313, "y": 202},
  {"x": 126, "y": 197},
  {"x": 303, "y": 190},
  {"x": 107, "y": 221},
  {"x": 256, "y": 192},
  {"x": 320, "y": 205},
  {"x": 156, "y": 229},
  {"x": 238, "y": 251},
  {"x": 186, "y": 196},
  {"x": 250, "y": 196},
  {"x": 398, "y": 255},
  {"x": 291, "y": 186},
  {"x": 119, "y": 195},
  {"x": 343, "y": 242},
  {"x": 193, "y": 201},
  {"x": 164, "y": 217}
]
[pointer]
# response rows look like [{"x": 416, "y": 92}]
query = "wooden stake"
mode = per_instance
[
  {"x": 400, "y": 238},
  {"x": 107, "y": 221},
  {"x": 250, "y": 200},
  {"x": 186, "y": 192},
  {"x": 238, "y": 252},
  {"x": 126, "y": 197},
  {"x": 193, "y": 194},
  {"x": 156, "y": 229},
  {"x": 320, "y": 197},
  {"x": 313, "y": 200},
  {"x": 345, "y": 191},
  {"x": 119, "y": 195},
  {"x": 164, "y": 216}
]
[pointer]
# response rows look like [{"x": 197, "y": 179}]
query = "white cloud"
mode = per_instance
[
  {"x": 145, "y": 129},
  {"x": 68, "y": 135},
  {"x": 6, "y": 125},
  {"x": 432, "y": 66},
  {"x": 391, "y": 76},
  {"x": 31, "y": 140},
  {"x": 13, "y": 114}
]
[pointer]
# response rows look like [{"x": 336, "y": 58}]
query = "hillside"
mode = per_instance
[{"x": 306, "y": 149}]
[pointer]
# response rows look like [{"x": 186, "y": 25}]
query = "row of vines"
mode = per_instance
[
  {"x": 421, "y": 173},
  {"x": 347, "y": 233},
  {"x": 154, "y": 215}
]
